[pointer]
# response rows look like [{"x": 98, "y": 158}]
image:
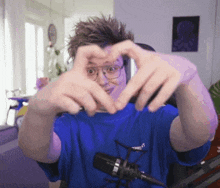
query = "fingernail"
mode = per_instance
[
  {"x": 151, "y": 109},
  {"x": 113, "y": 112},
  {"x": 138, "y": 108},
  {"x": 119, "y": 105},
  {"x": 91, "y": 114}
]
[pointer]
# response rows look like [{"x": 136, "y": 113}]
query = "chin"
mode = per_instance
[{"x": 115, "y": 94}]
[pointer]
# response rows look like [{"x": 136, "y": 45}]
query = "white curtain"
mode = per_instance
[
  {"x": 13, "y": 48},
  {"x": 2, "y": 66}
]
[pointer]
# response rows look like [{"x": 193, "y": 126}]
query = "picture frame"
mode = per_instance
[{"x": 185, "y": 36}]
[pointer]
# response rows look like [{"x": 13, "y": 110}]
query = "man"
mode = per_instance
[{"x": 65, "y": 145}]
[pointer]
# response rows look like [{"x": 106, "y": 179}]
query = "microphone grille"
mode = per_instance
[{"x": 104, "y": 162}]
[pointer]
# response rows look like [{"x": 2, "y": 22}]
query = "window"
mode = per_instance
[
  {"x": 133, "y": 68},
  {"x": 2, "y": 69},
  {"x": 34, "y": 56}
]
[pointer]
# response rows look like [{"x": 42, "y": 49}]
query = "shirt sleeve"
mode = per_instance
[{"x": 165, "y": 117}]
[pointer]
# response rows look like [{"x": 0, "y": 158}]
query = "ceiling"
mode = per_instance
[{"x": 65, "y": 7}]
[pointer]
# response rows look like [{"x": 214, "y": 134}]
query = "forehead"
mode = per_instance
[{"x": 119, "y": 60}]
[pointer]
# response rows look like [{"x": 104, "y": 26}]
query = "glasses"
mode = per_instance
[{"x": 110, "y": 71}]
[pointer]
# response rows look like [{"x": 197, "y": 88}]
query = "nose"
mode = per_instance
[{"x": 101, "y": 78}]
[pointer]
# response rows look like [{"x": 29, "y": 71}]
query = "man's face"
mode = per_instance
[{"x": 110, "y": 76}]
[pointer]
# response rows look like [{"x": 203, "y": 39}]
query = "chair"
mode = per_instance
[{"x": 172, "y": 99}]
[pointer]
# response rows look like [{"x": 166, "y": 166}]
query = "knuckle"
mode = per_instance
[
  {"x": 95, "y": 47},
  {"x": 148, "y": 90},
  {"x": 81, "y": 50},
  {"x": 92, "y": 86},
  {"x": 74, "y": 110},
  {"x": 129, "y": 42},
  {"x": 177, "y": 75}
]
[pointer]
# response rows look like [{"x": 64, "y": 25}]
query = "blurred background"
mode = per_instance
[{"x": 34, "y": 35}]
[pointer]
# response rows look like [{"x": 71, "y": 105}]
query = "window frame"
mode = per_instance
[{"x": 37, "y": 25}]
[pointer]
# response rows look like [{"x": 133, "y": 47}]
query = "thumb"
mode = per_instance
[{"x": 85, "y": 54}]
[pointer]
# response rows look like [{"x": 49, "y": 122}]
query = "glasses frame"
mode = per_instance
[{"x": 102, "y": 67}]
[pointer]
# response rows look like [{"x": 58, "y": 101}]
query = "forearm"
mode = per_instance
[
  {"x": 196, "y": 110},
  {"x": 35, "y": 135}
]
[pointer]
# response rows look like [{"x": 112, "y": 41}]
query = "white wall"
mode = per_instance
[
  {"x": 216, "y": 54},
  {"x": 84, "y": 9},
  {"x": 151, "y": 22}
]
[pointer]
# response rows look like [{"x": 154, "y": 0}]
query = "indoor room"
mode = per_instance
[{"x": 34, "y": 55}]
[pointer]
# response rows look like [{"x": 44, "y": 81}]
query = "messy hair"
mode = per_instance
[{"x": 102, "y": 31}]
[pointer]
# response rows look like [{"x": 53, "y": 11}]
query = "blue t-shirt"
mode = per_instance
[{"x": 83, "y": 136}]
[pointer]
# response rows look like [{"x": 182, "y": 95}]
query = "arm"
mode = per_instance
[
  {"x": 197, "y": 120},
  {"x": 37, "y": 139},
  {"x": 71, "y": 91}
]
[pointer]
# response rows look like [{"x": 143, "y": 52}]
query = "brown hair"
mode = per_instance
[{"x": 101, "y": 31}]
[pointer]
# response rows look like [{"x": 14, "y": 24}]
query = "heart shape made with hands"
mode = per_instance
[
  {"x": 158, "y": 75},
  {"x": 157, "y": 72}
]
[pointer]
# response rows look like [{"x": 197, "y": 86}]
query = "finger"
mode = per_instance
[
  {"x": 130, "y": 49},
  {"x": 68, "y": 105},
  {"x": 164, "y": 94},
  {"x": 103, "y": 98},
  {"x": 89, "y": 97},
  {"x": 88, "y": 103},
  {"x": 150, "y": 87},
  {"x": 85, "y": 54},
  {"x": 134, "y": 86},
  {"x": 83, "y": 98}
]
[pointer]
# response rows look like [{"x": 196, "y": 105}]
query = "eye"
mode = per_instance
[
  {"x": 91, "y": 71},
  {"x": 112, "y": 69}
]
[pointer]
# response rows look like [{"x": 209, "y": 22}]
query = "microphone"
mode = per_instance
[{"x": 118, "y": 167}]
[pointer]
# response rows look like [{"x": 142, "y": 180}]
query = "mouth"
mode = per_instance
[{"x": 109, "y": 90}]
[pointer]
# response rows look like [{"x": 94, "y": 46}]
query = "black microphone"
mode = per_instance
[{"x": 118, "y": 167}]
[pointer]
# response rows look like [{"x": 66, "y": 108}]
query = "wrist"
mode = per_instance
[{"x": 42, "y": 108}]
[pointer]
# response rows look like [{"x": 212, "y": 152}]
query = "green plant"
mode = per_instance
[{"x": 214, "y": 91}]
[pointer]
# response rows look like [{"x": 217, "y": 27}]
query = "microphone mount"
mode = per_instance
[{"x": 125, "y": 171}]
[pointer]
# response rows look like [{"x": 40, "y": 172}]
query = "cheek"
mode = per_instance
[
  {"x": 121, "y": 81},
  {"x": 122, "y": 78}
]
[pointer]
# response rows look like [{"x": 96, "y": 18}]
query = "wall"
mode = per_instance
[
  {"x": 151, "y": 22},
  {"x": 84, "y": 9},
  {"x": 216, "y": 54}
]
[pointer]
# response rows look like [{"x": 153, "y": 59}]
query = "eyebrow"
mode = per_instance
[{"x": 92, "y": 63}]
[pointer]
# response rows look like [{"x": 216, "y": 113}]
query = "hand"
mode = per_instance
[
  {"x": 73, "y": 89},
  {"x": 155, "y": 70}
]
